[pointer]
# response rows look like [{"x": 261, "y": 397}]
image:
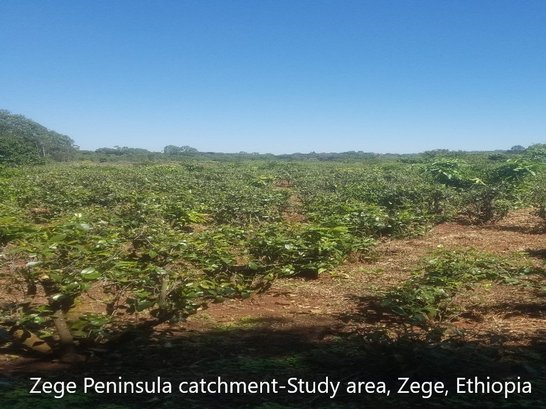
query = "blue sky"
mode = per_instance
[{"x": 279, "y": 76}]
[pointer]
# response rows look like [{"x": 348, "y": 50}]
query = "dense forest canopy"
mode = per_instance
[{"x": 25, "y": 141}]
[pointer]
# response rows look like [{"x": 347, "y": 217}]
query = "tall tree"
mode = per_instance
[{"x": 25, "y": 141}]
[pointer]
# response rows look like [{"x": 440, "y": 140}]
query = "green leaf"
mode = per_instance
[
  {"x": 57, "y": 297},
  {"x": 90, "y": 273},
  {"x": 143, "y": 305}
]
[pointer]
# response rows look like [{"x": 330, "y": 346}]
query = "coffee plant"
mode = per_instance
[{"x": 151, "y": 243}]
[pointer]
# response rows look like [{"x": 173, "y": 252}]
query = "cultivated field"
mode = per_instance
[{"x": 430, "y": 267}]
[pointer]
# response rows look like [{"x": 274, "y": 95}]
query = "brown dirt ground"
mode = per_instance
[{"x": 345, "y": 300}]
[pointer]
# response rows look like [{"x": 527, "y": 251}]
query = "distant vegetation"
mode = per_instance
[{"x": 23, "y": 141}]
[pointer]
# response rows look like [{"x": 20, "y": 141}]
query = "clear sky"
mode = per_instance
[{"x": 279, "y": 76}]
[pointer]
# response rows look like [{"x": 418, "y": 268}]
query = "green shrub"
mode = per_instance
[{"x": 427, "y": 296}]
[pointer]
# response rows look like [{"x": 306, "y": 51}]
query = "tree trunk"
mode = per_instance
[
  {"x": 30, "y": 341},
  {"x": 68, "y": 350}
]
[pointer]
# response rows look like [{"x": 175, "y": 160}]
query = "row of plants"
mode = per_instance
[
  {"x": 427, "y": 298},
  {"x": 158, "y": 242}
]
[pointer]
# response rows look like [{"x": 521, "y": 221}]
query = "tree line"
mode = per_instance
[{"x": 24, "y": 141}]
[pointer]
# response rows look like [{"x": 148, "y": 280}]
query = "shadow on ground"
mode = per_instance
[
  {"x": 533, "y": 229},
  {"x": 537, "y": 253},
  {"x": 257, "y": 352}
]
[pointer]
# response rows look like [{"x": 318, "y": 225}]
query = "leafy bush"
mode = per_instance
[
  {"x": 427, "y": 296},
  {"x": 304, "y": 250},
  {"x": 485, "y": 204},
  {"x": 538, "y": 197},
  {"x": 450, "y": 172},
  {"x": 491, "y": 200}
]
